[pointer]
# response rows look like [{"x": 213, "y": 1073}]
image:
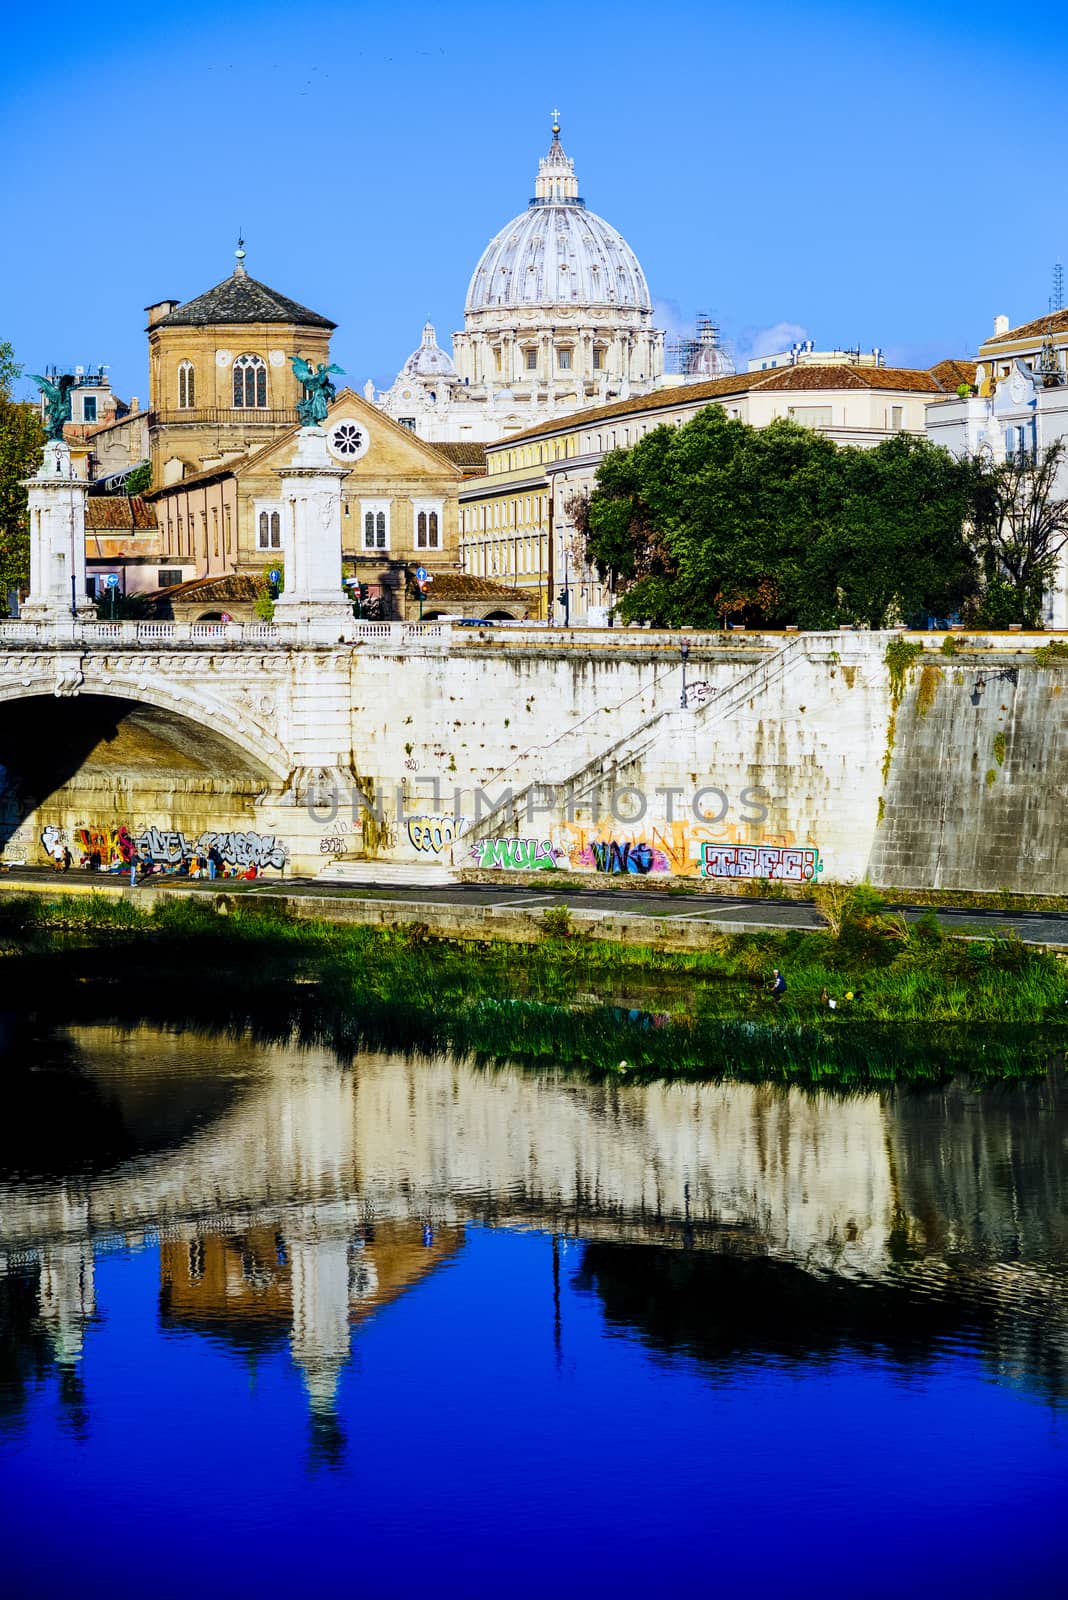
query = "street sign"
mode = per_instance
[
  {"x": 112, "y": 580},
  {"x": 420, "y": 574},
  {"x": 274, "y": 575}
]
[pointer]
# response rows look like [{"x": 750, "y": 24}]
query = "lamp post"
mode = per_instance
[
  {"x": 565, "y": 592},
  {"x": 684, "y": 652}
]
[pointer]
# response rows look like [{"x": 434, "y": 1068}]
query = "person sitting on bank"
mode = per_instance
[{"x": 778, "y": 986}]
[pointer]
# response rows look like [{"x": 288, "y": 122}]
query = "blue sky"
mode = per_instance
[{"x": 861, "y": 173}]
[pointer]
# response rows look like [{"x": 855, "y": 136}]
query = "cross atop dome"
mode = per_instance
[{"x": 556, "y": 183}]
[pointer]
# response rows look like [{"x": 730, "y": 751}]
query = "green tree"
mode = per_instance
[
  {"x": 21, "y": 441},
  {"x": 1020, "y": 527},
  {"x": 896, "y": 549},
  {"x": 139, "y": 478},
  {"x": 718, "y": 519}
]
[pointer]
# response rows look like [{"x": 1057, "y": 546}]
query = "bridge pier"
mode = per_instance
[
  {"x": 313, "y": 608},
  {"x": 57, "y": 540}
]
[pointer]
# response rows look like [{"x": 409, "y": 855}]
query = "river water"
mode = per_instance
[{"x": 274, "y": 1324}]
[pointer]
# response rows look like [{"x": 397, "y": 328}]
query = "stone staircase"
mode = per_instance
[{"x": 370, "y": 873}]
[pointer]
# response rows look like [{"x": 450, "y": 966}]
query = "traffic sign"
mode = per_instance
[
  {"x": 112, "y": 580},
  {"x": 420, "y": 574},
  {"x": 274, "y": 575}
]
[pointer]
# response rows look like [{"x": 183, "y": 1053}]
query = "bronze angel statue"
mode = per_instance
[
  {"x": 57, "y": 400},
  {"x": 318, "y": 390}
]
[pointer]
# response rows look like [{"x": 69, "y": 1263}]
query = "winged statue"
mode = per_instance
[
  {"x": 318, "y": 390},
  {"x": 57, "y": 400}
]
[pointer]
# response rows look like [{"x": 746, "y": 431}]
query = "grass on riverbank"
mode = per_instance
[{"x": 878, "y": 969}]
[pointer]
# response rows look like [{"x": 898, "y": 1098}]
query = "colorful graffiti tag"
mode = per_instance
[
  {"x": 614, "y": 855},
  {"x": 431, "y": 834},
  {"x": 517, "y": 855},
  {"x": 115, "y": 847},
  {"x": 774, "y": 862},
  {"x": 167, "y": 847}
]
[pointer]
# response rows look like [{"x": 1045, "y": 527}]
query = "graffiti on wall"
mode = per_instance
[
  {"x": 774, "y": 862},
  {"x": 517, "y": 855},
  {"x": 432, "y": 834},
  {"x": 244, "y": 848},
  {"x": 115, "y": 847},
  {"x": 623, "y": 855}
]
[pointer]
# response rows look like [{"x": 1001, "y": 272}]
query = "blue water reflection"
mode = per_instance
[{"x": 464, "y": 1350}]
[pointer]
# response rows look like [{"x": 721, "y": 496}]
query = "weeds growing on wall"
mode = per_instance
[
  {"x": 1048, "y": 655},
  {"x": 900, "y": 654}
]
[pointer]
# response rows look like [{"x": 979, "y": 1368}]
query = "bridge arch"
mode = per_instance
[
  {"x": 119, "y": 760},
  {"x": 235, "y": 731}
]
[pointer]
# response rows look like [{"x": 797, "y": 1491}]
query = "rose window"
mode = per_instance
[{"x": 348, "y": 440}]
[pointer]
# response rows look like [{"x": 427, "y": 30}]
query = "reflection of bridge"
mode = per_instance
[{"x": 363, "y": 1179}]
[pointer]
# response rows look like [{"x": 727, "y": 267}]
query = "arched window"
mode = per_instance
[
  {"x": 269, "y": 531},
  {"x": 187, "y": 386},
  {"x": 426, "y": 526},
  {"x": 250, "y": 383},
  {"x": 375, "y": 524}
]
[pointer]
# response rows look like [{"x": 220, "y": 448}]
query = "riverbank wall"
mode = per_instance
[{"x": 927, "y": 761}]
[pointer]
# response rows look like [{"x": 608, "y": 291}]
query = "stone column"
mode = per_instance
[
  {"x": 313, "y": 603},
  {"x": 57, "y": 540}
]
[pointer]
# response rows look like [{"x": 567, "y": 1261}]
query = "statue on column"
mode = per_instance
[
  {"x": 57, "y": 402},
  {"x": 314, "y": 403}
]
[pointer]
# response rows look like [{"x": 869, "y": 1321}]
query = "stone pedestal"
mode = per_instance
[
  {"x": 57, "y": 541},
  {"x": 313, "y": 603}
]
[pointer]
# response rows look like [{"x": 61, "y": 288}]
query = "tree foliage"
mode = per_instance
[
  {"x": 21, "y": 441},
  {"x": 1020, "y": 529},
  {"x": 717, "y": 519}
]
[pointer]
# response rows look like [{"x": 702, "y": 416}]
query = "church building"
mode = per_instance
[{"x": 223, "y": 424}]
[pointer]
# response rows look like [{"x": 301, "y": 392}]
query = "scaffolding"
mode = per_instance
[{"x": 699, "y": 356}]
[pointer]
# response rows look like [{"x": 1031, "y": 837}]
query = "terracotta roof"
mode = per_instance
[
  {"x": 847, "y": 377},
  {"x": 117, "y": 422},
  {"x": 461, "y": 452},
  {"x": 463, "y": 586},
  {"x": 240, "y": 299},
  {"x": 1055, "y": 320},
  {"x": 193, "y": 480},
  {"x": 831, "y": 376},
  {"x": 232, "y": 586},
  {"x": 951, "y": 373},
  {"x": 660, "y": 399},
  {"x": 121, "y": 512}
]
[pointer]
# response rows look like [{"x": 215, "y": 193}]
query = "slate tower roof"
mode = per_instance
[{"x": 241, "y": 299}]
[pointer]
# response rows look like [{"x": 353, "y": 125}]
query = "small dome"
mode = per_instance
[
  {"x": 429, "y": 361},
  {"x": 558, "y": 253}
]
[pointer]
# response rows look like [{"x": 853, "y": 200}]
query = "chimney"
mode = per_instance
[
  {"x": 1001, "y": 326},
  {"x": 135, "y": 404},
  {"x": 161, "y": 309}
]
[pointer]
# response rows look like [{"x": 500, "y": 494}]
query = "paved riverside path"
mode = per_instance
[{"x": 732, "y": 912}]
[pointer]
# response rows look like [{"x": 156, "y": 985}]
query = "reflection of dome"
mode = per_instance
[
  {"x": 557, "y": 253},
  {"x": 430, "y": 360}
]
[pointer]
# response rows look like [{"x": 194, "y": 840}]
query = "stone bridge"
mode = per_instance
[{"x": 315, "y": 743}]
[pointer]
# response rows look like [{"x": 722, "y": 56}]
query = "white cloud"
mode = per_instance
[
  {"x": 769, "y": 341},
  {"x": 669, "y": 315}
]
